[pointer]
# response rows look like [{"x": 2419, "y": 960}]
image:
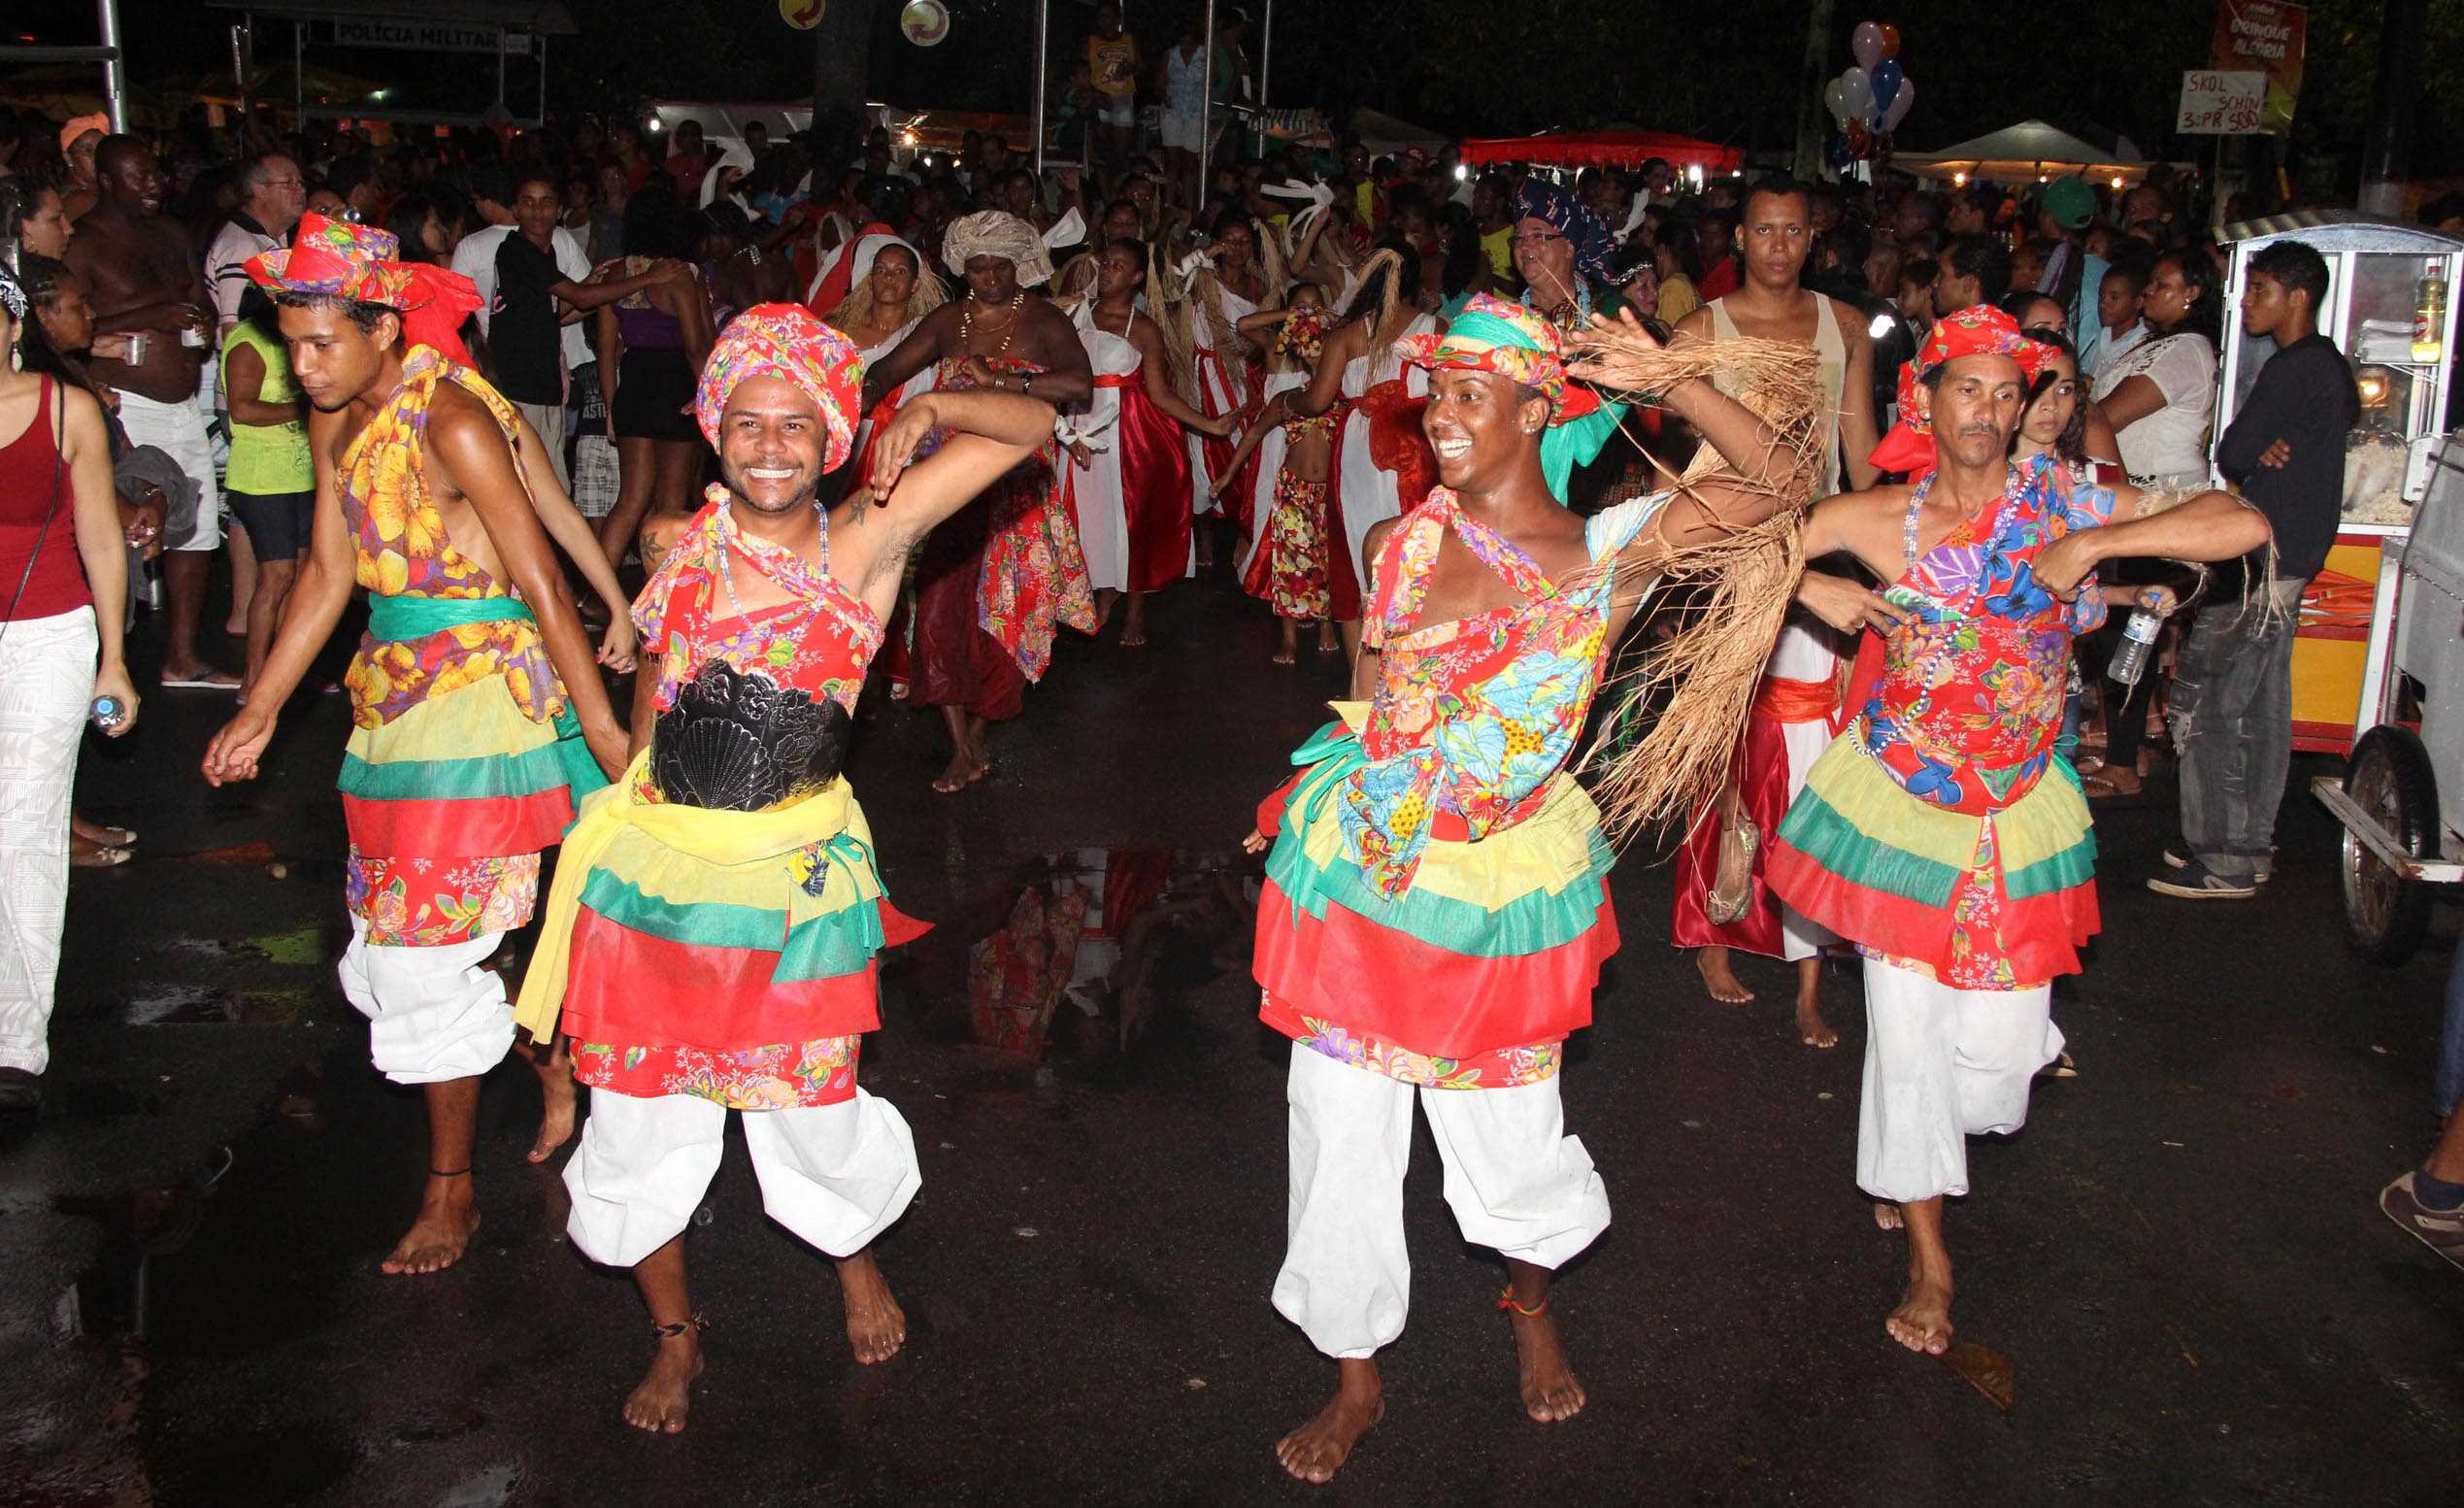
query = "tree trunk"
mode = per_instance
[
  {"x": 843, "y": 54},
  {"x": 1809, "y": 85}
]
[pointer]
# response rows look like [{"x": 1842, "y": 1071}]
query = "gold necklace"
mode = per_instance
[{"x": 1008, "y": 332}]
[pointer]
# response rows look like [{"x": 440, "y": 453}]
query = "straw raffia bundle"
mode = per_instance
[{"x": 1742, "y": 580}]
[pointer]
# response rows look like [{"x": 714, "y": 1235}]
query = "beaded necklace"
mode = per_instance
[{"x": 1008, "y": 332}]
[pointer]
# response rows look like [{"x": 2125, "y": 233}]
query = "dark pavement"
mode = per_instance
[{"x": 2181, "y": 1255}]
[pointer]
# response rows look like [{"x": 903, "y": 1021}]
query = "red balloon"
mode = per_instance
[{"x": 1890, "y": 40}]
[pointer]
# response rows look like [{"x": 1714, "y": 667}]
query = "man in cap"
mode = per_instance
[
  {"x": 1942, "y": 832},
  {"x": 479, "y": 715},
  {"x": 2073, "y": 275},
  {"x": 712, "y": 933},
  {"x": 993, "y": 588},
  {"x": 1436, "y": 909}
]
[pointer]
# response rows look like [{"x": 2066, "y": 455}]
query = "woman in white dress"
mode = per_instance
[
  {"x": 1228, "y": 281},
  {"x": 1127, "y": 485}
]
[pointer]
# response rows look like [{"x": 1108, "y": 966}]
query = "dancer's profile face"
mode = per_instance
[
  {"x": 1482, "y": 426},
  {"x": 769, "y": 439}
]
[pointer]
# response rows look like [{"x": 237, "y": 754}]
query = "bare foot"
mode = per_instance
[
  {"x": 556, "y": 1094},
  {"x": 1283, "y": 657},
  {"x": 666, "y": 1395},
  {"x": 1133, "y": 632},
  {"x": 448, "y": 1217},
  {"x": 1886, "y": 1215},
  {"x": 1810, "y": 1025},
  {"x": 876, "y": 1327},
  {"x": 1717, "y": 977},
  {"x": 1549, "y": 1390},
  {"x": 964, "y": 771},
  {"x": 1319, "y": 1449},
  {"x": 1922, "y": 1321}
]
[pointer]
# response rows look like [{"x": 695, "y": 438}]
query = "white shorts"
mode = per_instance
[
  {"x": 433, "y": 1013},
  {"x": 1180, "y": 132},
  {"x": 1120, "y": 109},
  {"x": 1515, "y": 1182},
  {"x": 178, "y": 432},
  {"x": 1943, "y": 1065},
  {"x": 835, "y": 1175}
]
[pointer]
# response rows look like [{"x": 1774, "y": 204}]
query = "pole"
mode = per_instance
[
  {"x": 1043, "y": 42},
  {"x": 500, "y": 72},
  {"x": 1817, "y": 54},
  {"x": 240, "y": 70},
  {"x": 299, "y": 84},
  {"x": 1206, "y": 112},
  {"x": 539, "y": 39},
  {"x": 2386, "y": 152},
  {"x": 1265, "y": 54},
  {"x": 115, "y": 68}
]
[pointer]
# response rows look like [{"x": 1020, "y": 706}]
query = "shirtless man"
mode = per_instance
[
  {"x": 142, "y": 276},
  {"x": 448, "y": 792},
  {"x": 1773, "y": 236},
  {"x": 1004, "y": 339}
]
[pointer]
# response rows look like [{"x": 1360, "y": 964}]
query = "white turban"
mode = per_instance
[{"x": 996, "y": 233}]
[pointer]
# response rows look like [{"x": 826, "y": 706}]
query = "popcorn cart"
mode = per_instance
[
  {"x": 2389, "y": 311},
  {"x": 2402, "y": 796}
]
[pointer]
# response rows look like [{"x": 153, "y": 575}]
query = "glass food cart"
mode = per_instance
[{"x": 2375, "y": 271}]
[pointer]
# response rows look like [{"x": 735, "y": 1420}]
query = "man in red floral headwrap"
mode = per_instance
[
  {"x": 709, "y": 942},
  {"x": 1943, "y": 832},
  {"x": 479, "y": 710}
]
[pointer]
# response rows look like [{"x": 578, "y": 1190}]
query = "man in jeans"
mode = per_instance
[{"x": 2233, "y": 692}]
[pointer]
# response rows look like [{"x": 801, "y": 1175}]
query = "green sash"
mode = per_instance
[{"x": 396, "y": 618}]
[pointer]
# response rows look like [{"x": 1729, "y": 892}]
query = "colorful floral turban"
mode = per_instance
[
  {"x": 1492, "y": 335},
  {"x": 337, "y": 259},
  {"x": 1595, "y": 245},
  {"x": 1978, "y": 330},
  {"x": 997, "y": 233},
  {"x": 786, "y": 342}
]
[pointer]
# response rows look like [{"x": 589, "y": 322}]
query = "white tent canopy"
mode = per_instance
[
  {"x": 2022, "y": 153},
  {"x": 1386, "y": 136}
]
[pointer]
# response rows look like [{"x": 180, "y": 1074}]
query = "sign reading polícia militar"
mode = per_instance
[
  {"x": 394, "y": 31},
  {"x": 2270, "y": 37},
  {"x": 2216, "y": 103}
]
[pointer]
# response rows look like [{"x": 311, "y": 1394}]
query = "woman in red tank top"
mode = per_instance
[{"x": 63, "y": 589}]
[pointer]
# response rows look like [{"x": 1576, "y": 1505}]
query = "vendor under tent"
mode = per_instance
[
  {"x": 2030, "y": 152},
  {"x": 1627, "y": 150}
]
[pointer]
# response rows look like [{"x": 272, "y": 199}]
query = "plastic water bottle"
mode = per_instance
[
  {"x": 108, "y": 713},
  {"x": 2139, "y": 640}
]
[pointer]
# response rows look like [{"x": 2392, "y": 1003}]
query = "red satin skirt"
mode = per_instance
[{"x": 1156, "y": 490}]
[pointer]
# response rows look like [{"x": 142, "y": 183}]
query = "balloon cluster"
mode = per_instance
[{"x": 1870, "y": 100}]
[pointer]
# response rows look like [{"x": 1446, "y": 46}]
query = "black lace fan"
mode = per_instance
[{"x": 738, "y": 743}]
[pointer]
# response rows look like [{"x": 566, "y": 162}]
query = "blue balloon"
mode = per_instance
[{"x": 1887, "y": 77}]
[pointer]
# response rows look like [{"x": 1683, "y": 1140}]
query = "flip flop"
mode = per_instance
[{"x": 212, "y": 681}]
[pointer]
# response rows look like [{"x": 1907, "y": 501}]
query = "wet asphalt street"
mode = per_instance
[{"x": 2181, "y": 1255}]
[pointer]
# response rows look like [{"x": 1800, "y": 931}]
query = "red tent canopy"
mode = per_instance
[{"x": 1606, "y": 150}]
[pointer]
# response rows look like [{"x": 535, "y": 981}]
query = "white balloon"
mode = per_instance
[
  {"x": 1857, "y": 91},
  {"x": 1834, "y": 98}
]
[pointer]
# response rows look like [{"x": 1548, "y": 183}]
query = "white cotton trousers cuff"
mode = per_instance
[
  {"x": 836, "y": 1176},
  {"x": 179, "y": 430},
  {"x": 46, "y": 682},
  {"x": 1943, "y": 1065},
  {"x": 1515, "y": 1180},
  {"x": 433, "y": 1013}
]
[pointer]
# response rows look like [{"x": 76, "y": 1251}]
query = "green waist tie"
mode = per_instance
[{"x": 396, "y": 618}]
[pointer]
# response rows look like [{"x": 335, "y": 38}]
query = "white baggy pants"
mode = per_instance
[
  {"x": 46, "y": 682},
  {"x": 1516, "y": 1181},
  {"x": 836, "y": 1176},
  {"x": 1943, "y": 1065},
  {"x": 433, "y": 1013}
]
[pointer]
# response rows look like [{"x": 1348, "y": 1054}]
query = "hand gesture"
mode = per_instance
[
  {"x": 616, "y": 645},
  {"x": 1848, "y": 606},
  {"x": 1608, "y": 354},
  {"x": 894, "y": 445},
  {"x": 235, "y": 751}
]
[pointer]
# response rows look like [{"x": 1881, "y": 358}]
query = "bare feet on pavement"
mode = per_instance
[
  {"x": 965, "y": 769},
  {"x": 1886, "y": 1215},
  {"x": 1717, "y": 977},
  {"x": 1319, "y": 1449},
  {"x": 1810, "y": 1025},
  {"x": 1550, "y": 1393},
  {"x": 448, "y": 1217},
  {"x": 876, "y": 1327},
  {"x": 666, "y": 1395},
  {"x": 1922, "y": 1321},
  {"x": 556, "y": 1093}
]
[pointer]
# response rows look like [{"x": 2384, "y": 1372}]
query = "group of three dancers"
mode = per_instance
[{"x": 1437, "y": 909}]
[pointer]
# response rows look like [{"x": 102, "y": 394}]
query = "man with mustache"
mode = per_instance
[{"x": 1942, "y": 832}]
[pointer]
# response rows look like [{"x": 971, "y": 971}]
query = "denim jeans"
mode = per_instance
[{"x": 2232, "y": 725}]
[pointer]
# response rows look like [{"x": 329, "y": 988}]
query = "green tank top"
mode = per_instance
[{"x": 267, "y": 458}]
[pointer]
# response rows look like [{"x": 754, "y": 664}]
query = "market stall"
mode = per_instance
[{"x": 2399, "y": 338}]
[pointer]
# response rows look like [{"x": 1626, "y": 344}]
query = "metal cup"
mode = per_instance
[
  {"x": 192, "y": 337},
  {"x": 136, "y": 350}
]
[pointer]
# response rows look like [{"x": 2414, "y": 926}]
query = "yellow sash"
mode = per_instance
[{"x": 713, "y": 837}]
